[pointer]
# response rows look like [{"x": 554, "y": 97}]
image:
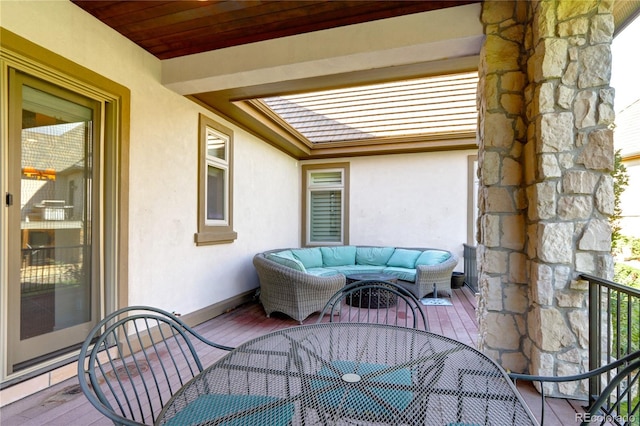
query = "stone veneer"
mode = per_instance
[{"x": 545, "y": 157}]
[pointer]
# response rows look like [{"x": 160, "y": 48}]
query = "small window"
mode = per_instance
[
  {"x": 215, "y": 184},
  {"x": 325, "y": 204}
]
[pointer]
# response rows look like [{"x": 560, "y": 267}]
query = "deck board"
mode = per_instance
[{"x": 54, "y": 406}]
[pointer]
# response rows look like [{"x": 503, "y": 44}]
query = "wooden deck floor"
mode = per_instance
[{"x": 63, "y": 404}]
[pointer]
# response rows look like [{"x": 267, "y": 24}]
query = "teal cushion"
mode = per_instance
[
  {"x": 310, "y": 258},
  {"x": 348, "y": 396},
  {"x": 286, "y": 258},
  {"x": 432, "y": 257},
  {"x": 377, "y": 256},
  {"x": 322, "y": 272},
  {"x": 358, "y": 269},
  {"x": 208, "y": 408},
  {"x": 404, "y": 258},
  {"x": 405, "y": 274},
  {"x": 338, "y": 256}
]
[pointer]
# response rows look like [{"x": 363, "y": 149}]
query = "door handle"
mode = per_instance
[{"x": 9, "y": 199}]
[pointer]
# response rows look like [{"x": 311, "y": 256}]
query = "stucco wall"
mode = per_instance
[
  {"x": 409, "y": 200},
  {"x": 163, "y": 260}
]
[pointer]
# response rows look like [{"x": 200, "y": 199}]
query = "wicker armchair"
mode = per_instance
[{"x": 292, "y": 292}]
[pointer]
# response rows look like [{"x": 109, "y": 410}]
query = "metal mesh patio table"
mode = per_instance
[{"x": 350, "y": 373}]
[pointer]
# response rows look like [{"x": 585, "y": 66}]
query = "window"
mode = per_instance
[
  {"x": 215, "y": 176},
  {"x": 325, "y": 204}
]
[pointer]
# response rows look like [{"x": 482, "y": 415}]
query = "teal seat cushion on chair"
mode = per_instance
[
  {"x": 363, "y": 397},
  {"x": 404, "y": 274},
  {"x": 209, "y": 408},
  {"x": 357, "y": 269},
  {"x": 322, "y": 272}
]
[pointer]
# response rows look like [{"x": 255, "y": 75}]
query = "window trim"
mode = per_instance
[
  {"x": 305, "y": 231},
  {"x": 212, "y": 232}
]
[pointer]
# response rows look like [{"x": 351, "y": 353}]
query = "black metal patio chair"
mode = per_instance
[
  {"x": 616, "y": 404},
  {"x": 135, "y": 359},
  {"x": 375, "y": 301}
]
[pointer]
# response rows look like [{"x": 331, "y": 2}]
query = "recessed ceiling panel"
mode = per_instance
[{"x": 432, "y": 106}]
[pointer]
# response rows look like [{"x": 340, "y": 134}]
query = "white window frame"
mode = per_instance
[{"x": 221, "y": 164}]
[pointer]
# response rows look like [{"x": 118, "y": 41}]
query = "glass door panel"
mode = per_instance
[{"x": 56, "y": 292}]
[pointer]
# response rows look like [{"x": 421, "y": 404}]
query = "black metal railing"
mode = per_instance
[
  {"x": 470, "y": 267},
  {"x": 614, "y": 331},
  {"x": 44, "y": 273},
  {"x": 44, "y": 267}
]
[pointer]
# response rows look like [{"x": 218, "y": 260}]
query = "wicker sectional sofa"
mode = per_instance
[{"x": 300, "y": 281}]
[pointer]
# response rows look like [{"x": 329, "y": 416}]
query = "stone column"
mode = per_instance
[
  {"x": 546, "y": 192},
  {"x": 502, "y": 132}
]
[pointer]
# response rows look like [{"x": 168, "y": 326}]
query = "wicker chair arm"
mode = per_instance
[
  {"x": 295, "y": 293},
  {"x": 445, "y": 267},
  {"x": 288, "y": 277}
]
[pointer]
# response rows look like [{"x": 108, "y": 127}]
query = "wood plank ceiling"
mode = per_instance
[{"x": 169, "y": 29}]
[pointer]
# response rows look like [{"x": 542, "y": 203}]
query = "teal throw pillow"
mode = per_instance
[
  {"x": 310, "y": 257},
  {"x": 286, "y": 258},
  {"x": 432, "y": 257},
  {"x": 338, "y": 256},
  {"x": 404, "y": 258},
  {"x": 376, "y": 256}
]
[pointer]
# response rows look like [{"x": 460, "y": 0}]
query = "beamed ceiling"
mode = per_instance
[{"x": 170, "y": 29}]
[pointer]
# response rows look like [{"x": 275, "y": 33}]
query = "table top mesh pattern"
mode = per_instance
[{"x": 346, "y": 373}]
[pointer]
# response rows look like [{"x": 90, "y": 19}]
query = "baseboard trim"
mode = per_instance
[
  {"x": 205, "y": 314},
  {"x": 21, "y": 387}
]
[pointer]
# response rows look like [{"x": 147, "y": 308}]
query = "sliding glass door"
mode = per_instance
[{"x": 53, "y": 204}]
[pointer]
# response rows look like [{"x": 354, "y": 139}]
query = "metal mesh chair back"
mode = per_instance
[
  {"x": 618, "y": 402},
  {"x": 135, "y": 359},
  {"x": 374, "y": 301}
]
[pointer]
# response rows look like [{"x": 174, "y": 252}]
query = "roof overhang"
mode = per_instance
[{"x": 413, "y": 46}]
